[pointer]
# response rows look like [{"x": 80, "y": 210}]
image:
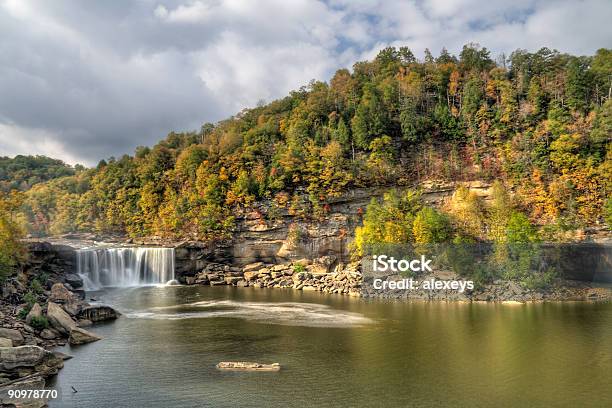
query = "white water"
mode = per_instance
[
  {"x": 112, "y": 267},
  {"x": 286, "y": 314}
]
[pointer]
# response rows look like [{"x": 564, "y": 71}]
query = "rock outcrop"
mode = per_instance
[
  {"x": 12, "y": 334},
  {"x": 73, "y": 280},
  {"x": 36, "y": 311},
  {"x": 81, "y": 336},
  {"x": 59, "y": 293},
  {"x": 4, "y": 342},
  {"x": 320, "y": 275},
  {"x": 59, "y": 319},
  {"x": 98, "y": 313},
  {"x": 26, "y": 360}
]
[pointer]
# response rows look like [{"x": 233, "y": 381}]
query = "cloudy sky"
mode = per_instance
[{"x": 84, "y": 80}]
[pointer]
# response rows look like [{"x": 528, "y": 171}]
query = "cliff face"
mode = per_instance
[
  {"x": 288, "y": 238},
  {"x": 294, "y": 238}
]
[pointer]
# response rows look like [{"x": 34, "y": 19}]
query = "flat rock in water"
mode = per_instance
[
  {"x": 98, "y": 313},
  {"x": 81, "y": 336},
  {"x": 247, "y": 366}
]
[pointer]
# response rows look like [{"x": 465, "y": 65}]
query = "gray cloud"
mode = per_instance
[{"x": 83, "y": 81}]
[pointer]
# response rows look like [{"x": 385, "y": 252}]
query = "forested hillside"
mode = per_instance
[
  {"x": 22, "y": 172},
  {"x": 540, "y": 123}
]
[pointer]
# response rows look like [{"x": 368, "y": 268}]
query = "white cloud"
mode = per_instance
[
  {"x": 17, "y": 140},
  {"x": 188, "y": 13}
]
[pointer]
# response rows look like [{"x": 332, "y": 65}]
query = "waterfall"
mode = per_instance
[{"x": 100, "y": 267}]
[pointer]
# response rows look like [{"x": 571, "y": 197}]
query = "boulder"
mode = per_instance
[
  {"x": 264, "y": 273},
  {"x": 48, "y": 334},
  {"x": 515, "y": 288},
  {"x": 36, "y": 311},
  {"x": 61, "y": 355},
  {"x": 35, "y": 382},
  {"x": 251, "y": 275},
  {"x": 59, "y": 293},
  {"x": 317, "y": 270},
  {"x": 98, "y": 313},
  {"x": 74, "y": 280},
  {"x": 73, "y": 307},
  {"x": 324, "y": 264},
  {"x": 217, "y": 283},
  {"x": 4, "y": 342},
  {"x": 253, "y": 267},
  {"x": 81, "y": 336},
  {"x": 301, "y": 276},
  {"x": 59, "y": 319},
  {"x": 12, "y": 334},
  {"x": 231, "y": 280},
  {"x": 26, "y": 360}
]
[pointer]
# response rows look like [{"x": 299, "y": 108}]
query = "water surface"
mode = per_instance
[{"x": 339, "y": 352}]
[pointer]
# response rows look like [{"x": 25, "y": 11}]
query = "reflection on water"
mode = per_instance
[{"x": 339, "y": 351}]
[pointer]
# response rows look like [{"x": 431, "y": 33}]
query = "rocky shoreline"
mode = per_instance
[
  {"x": 41, "y": 308},
  {"x": 327, "y": 276}
]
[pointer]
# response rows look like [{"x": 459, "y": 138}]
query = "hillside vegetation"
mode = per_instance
[
  {"x": 539, "y": 123},
  {"x": 22, "y": 172}
]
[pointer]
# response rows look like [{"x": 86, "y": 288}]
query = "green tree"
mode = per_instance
[
  {"x": 520, "y": 230},
  {"x": 370, "y": 120},
  {"x": 11, "y": 249},
  {"x": 430, "y": 227}
]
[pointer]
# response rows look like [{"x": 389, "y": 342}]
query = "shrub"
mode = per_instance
[
  {"x": 23, "y": 313},
  {"x": 36, "y": 286},
  {"x": 298, "y": 268},
  {"x": 539, "y": 280},
  {"x": 608, "y": 213},
  {"x": 39, "y": 323},
  {"x": 387, "y": 222},
  {"x": 520, "y": 230},
  {"x": 467, "y": 210},
  {"x": 430, "y": 227},
  {"x": 30, "y": 299}
]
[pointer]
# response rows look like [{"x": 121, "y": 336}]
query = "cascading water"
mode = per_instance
[{"x": 100, "y": 267}]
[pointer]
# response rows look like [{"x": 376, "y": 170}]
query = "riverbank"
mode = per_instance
[
  {"x": 42, "y": 308},
  {"x": 585, "y": 264},
  {"x": 327, "y": 276}
]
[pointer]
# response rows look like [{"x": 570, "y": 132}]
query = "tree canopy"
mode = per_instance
[{"x": 539, "y": 123}]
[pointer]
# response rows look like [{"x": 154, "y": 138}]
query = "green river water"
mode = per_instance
[{"x": 337, "y": 351}]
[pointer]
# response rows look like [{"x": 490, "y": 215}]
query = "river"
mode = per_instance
[{"x": 338, "y": 351}]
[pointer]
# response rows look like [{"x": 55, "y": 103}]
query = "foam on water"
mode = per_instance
[{"x": 288, "y": 314}]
